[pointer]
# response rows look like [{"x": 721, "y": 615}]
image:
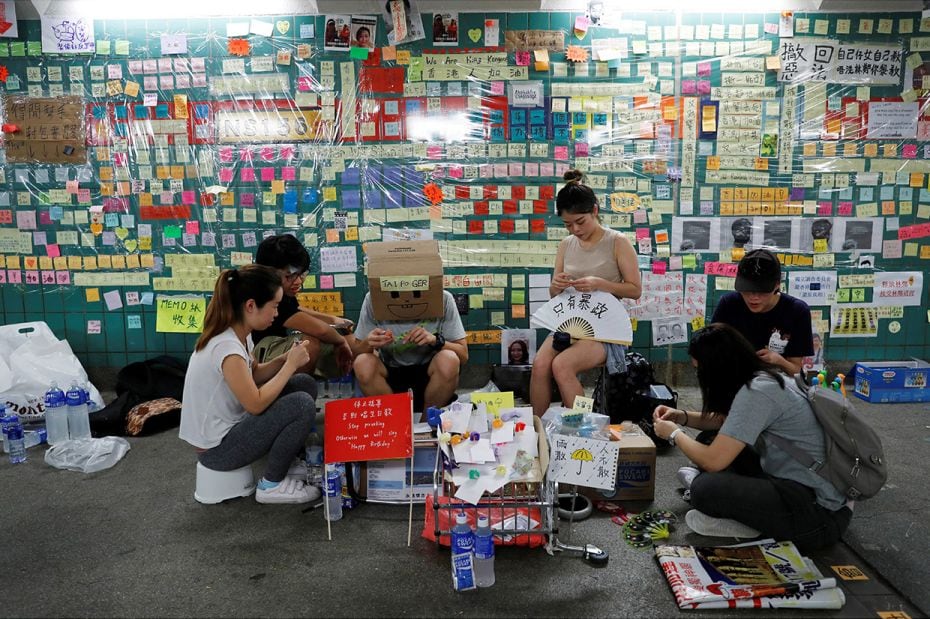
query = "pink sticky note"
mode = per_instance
[
  {"x": 688, "y": 87},
  {"x": 2, "y": 276},
  {"x": 53, "y": 250},
  {"x": 247, "y": 174},
  {"x": 581, "y": 23},
  {"x": 288, "y": 174},
  {"x": 166, "y": 82},
  {"x": 659, "y": 267},
  {"x": 561, "y": 152},
  {"x": 63, "y": 278},
  {"x": 26, "y": 220},
  {"x": 515, "y": 169},
  {"x": 14, "y": 276},
  {"x": 500, "y": 169},
  {"x": 226, "y": 175},
  {"x": 71, "y": 186},
  {"x": 845, "y": 209},
  {"x": 434, "y": 152},
  {"x": 245, "y": 154},
  {"x": 32, "y": 277},
  {"x": 824, "y": 208},
  {"x": 581, "y": 149},
  {"x": 639, "y": 217},
  {"x": 166, "y": 197},
  {"x": 547, "y": 169},
  {"x": 226, "y": 154},
  {"x": 188, "y": 196},
  {"x": 703, "y": 87},
  {"x": 266, "y": 153},
  {"x": 909, "y": 151},
  {"x": 247, "y": 199},
  {"x": 456, "y": 171},
  {"x": 287, "y": 152},
  {"x": 83, "y": 195},
  {"x": 304, "y": 84},
  {"x": 113, "y": 299},
  {"x": 48, "y": 277},
  {"x": 192, "y": 227},
  {"x": 523, "y": 59},
  {"x": 267, "y": 174},
  {"x": 642, "y": 233},
  {"x": 6, "y": 216},
  {"x": 531, "y": 169},
  {"x": 150, "y": 82},
  {"x": 703, "y": 69},
  {"x": 326, "y": 282},
  {"x": 486, "y": 171},
  {"x": 497, "y": 88}
]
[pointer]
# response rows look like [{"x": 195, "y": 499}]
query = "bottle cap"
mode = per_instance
[
  {"x": 461, "y": 518},
  {"x": 483, "y": 521}
]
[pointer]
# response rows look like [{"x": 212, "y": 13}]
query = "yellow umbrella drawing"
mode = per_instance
[{"x": 582, "y": 455}]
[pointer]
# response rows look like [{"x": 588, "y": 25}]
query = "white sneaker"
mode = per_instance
[
  {"x": 686, "y": 475},
  {"x": 702, "y": 524},
  {"x": 289, "y": 490}
]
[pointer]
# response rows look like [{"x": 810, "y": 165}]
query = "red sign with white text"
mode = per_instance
[{"x": 376, "y": 427}]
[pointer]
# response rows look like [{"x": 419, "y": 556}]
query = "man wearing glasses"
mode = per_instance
[{"x": 286, "y": 254}]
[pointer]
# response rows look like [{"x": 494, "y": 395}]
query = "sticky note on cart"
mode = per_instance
[
  {"x": 458, "y": 420},
  {"x": 583, "y": 404},
  {"x": 495, "y": 401},
  {"x": 470, "y": 491},
  {"x": 481, "y": 451},
  {"x": 503, "y": 434}
]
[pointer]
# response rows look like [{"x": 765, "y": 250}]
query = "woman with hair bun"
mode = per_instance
[
  {"x": 591, "y": 258},
  {"x": 236, "y": 410}
]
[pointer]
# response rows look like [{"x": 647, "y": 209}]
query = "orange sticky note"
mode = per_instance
[
  {"x": 519, "y": 311},
  {"x": 389, "y": 52},
  {"x": 180, "y": 106},
  {"x": 332, "y": 235},
  {"x": 541, "y": 59},
  {"x": 92, "y": 295},
  {"x": 713, "y": 162}
]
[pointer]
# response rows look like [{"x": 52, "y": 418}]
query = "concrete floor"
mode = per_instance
[{"x": 131, "y": 541}]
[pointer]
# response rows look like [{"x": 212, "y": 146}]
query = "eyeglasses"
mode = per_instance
[{"x": 291, "y": 277}]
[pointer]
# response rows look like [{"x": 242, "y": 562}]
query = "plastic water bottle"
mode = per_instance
[
  {"x": 56, "y": 415},
  {"x": 463, "y": 553},
  {"x": 78, "y": 421},
  {"x": 334, "y": 493},
  {"x": 6, "y": 420},
  {"x": 484, "y": 553},
  {"x": 14, "y": 434}
]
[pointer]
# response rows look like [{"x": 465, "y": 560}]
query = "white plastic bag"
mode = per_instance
[
  {"x": 31, "y": 357},
  {"x": 87, "y": 455}
]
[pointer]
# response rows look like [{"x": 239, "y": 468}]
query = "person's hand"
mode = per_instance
[
  {"x": 770, "y": 357},
  {"x": 343, "y": 323},
  {"x": 667, "y": 413},
  {"x": 588, "y": 284},
  {"x": 298, "y": 355},
  {"x": 379, "y": 338},
  {"x": 344, "y": 358},
  {"x": 420, "y": 337},
  {"x": 561, "y": 281},
  {"x": 664, "y": 428}
]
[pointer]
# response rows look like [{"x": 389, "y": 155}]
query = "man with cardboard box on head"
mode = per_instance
[{"x": 409, "y": 334}]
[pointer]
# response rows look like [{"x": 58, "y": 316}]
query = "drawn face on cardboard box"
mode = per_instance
[{"x": 405, "y": 280}]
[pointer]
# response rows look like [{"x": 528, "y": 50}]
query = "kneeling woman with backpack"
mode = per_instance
[{"x": 748, "y": 401}]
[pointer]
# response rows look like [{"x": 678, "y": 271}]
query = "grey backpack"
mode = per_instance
[{"x": 855, "y": 462}]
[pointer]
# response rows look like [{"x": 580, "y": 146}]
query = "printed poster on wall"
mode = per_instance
[
  {"x": 8, "y": 27},
  {"x": 892, "y": 120},
  {"x": 68, "y": 35},
  {"x": 813, "y": 287},
  {"x": 337, "y": 34},
  {"x": 805, "y": 60},
  {"x": 900, "y": 288}
]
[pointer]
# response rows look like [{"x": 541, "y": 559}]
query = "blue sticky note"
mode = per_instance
[
  {"x": 121, "y": 112},
  {"x": 517, "y": 117},
  {"x": 55, "y": 213},
  {"x": 311, "y": 195},
  {"x": 537, "y": 116},
  {"x": 906, "y": 193},
  {"x": 393, "y": 176},
  {"x": 201, "y": 110},
  {"x": 351, "y": 176},
  {"x": 538, "y": 132},
  {"x": 560, "y": 118},
  {"x": 351, "y": 199},
  {"x": 887, "y": 192},
  {"x": 290, "y": 201},
  {"x": 866, "y": 194},
  {"x": 414, "y": 177},
  {"x": 579, "y": 118},
  {"x": 518, "y": 133},
  {"x": 161, "y": 111},
  {"x": 111, "y": 220},
  {"x": 394, "y": 198},
  {"x": 141, "y": 112},
  {"x": 923, "y": 196},
  {"x": 99, "y": 112},
  {"x": 496, "y": 117}
]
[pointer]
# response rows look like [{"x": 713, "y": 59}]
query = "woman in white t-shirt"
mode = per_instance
[{"x": 236, "y": 410}]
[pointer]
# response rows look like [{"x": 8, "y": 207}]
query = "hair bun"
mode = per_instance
[{"x": 573, "y": 176}]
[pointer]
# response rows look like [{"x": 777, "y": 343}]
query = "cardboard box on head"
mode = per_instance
[{"x": 405, "y": 280}]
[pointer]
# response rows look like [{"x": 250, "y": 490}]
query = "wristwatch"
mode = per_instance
[
  {"x": 439, "y": 343},
  {"x": 671, "y": 437}
]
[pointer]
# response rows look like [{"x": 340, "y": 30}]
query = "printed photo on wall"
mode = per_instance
[
  {"x": 402, "y": 20},
  {"x": 813, "y": 230},
  {"x": 363, "y": 30},
  {"x": 518, "y": 346},
  {"x": 778, "y": 234},
  {"x": 696, "y": 234},
  {"x": 737, "y": 232},
  {"x": 445, "y": 28},
  {"x": 669, "y": 331},
  {"x": 337, "y": 35},
  {"x": 815, "y": 362},
  {"x": 857, "y": 235}
]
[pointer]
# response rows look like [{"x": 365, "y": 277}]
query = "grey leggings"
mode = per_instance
[{"x": 280, "y": 431}]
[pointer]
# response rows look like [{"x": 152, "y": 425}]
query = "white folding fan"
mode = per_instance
[{"x": 595, "y": 315}]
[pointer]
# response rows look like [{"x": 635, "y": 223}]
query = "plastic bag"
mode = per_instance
[
  {"x": 87, "y": 455},
  {"x": 31, "y": 357}
]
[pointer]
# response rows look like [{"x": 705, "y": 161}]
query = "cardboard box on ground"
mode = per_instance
[
  {"x": 893, "y": 381},
  {"x": 636, "y": 466},
  {"x": 405, "y": 280}
]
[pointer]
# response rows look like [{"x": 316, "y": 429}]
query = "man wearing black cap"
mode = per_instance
[{"x": 777, "y": 324}]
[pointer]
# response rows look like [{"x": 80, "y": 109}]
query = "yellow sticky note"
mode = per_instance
[
  {"x": 329, "y": 193},
  {"x": 180, "y": 314},
  {"x": 518, "y": 311},
  {"x": 820, "y": 245},
  {"x": 541, "y": 59},
  {"x": 131, "y": 89},
  {"x": 495, "y": 401},
  {"x": 180, "y": 106},
  {"x": 583, "y": 404},
  {"x": 403, "y": 56},
  {"x": 122, "y": 48},
  {"x": 773, "y": 63},
  {"x": 697, "y": 323},
  {"x": 277, "y": 186},
  {"x": 102, "y": 47},
  {"x": 863, "y": 93},
  {"x": 92, "y": 295},
  {"x": 352, "y": 233}
]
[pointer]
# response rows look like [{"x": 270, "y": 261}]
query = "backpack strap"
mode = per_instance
[{"x": 790, "y": 448}]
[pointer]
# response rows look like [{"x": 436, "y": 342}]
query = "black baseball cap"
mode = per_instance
[{"x": 758, "y": 271}]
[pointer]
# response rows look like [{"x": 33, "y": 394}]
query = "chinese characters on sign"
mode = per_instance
[{"x": 584, "y": 461}]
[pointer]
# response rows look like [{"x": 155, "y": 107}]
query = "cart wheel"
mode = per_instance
[{"x": 595, "y": 556}]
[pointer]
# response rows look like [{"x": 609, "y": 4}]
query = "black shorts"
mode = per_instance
[{"x": 404, "y": 377}]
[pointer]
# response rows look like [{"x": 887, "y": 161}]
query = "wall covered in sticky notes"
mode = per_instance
[{"x": 703, "y": 136}]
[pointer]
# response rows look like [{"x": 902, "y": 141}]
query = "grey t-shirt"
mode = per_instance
[
  {"x": 765, "y": 408},
  {"x": 400, "y": 354}
]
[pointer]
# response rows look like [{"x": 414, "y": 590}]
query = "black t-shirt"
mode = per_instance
[
  {"x": 286, "y": 308},
  {"x": 785, "y": 329}
]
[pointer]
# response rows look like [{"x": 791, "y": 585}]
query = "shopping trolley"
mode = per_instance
[{"x": 522, "y": 513}]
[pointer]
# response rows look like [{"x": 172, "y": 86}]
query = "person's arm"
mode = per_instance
[
  {"x": 711, "y": 458},
  {"x": 631, "y": 287},
  {"x": 308, "y": 324},
  {"x": 336, "y": 321},
  {"x": 263, "y": 372},
  {"x": 687, "y": 419},
  {"x": 254, "y": 398},
  {"x": 560, "y": 279},
  {"x": 422, "y": 337},
  {"x": 789, "y": 365}
]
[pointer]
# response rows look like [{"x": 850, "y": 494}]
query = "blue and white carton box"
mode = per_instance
[{"x": 893, "y": 381}]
